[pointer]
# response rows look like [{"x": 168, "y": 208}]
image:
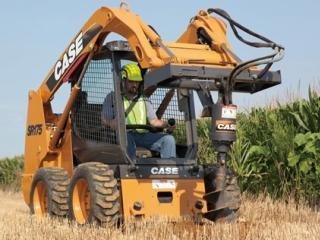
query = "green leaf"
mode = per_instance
[
  {"x": 299, "y": 121},
  {"x": 310, "y": 147},
  {"x": 293, "y": 159},
  {"x": 300, "y": 139},
  {"x": 305, "y": 166},
  {"x": 318, "y": 170},
  {"x": 257, "y": 150}
]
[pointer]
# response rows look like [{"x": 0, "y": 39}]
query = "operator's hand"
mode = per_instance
[
  {"x": 158, "y": 123},
  {"x": 171, "y": 125},
  {"x": 170, "y": 128}
]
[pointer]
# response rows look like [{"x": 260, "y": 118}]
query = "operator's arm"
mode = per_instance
[
  {"x": 108, "y": 114},
  {"x": 153, "y": 120},
  {"x": 158, "y": 123}
]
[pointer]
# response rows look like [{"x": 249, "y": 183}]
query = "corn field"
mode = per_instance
[
  {"x": 10, "y": 172},
  {"x": 277, "y": 150}
]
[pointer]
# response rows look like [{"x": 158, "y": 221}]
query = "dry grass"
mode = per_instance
[{"x": 260, "y": 219}]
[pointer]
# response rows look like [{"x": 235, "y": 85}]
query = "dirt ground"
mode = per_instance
[{"x": 260, "y": 219}]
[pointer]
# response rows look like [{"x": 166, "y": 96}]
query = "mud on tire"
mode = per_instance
[
  {"x": 48, "y": 193},
  {"x": 94, "y": 195}
]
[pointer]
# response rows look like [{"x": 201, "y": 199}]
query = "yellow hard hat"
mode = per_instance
[{"x": 131, "y": 72}]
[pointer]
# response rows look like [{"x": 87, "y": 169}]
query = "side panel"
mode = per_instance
[
  {"x": 36, "y": 143},
  {"x": 153, "y": 193},
  {"x": 37, "y": 153}
]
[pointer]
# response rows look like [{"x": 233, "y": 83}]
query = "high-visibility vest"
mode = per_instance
[{"x": 138, "y": 114}]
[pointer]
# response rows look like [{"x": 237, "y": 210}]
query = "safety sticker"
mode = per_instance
[
  {"x": 229, "y": 112},
  {"x": 164, "y": 184}
]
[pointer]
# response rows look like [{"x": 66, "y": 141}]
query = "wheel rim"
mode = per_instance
[
  {"x": 40, "y": 199},
  {"x": 81, "y": 201}
]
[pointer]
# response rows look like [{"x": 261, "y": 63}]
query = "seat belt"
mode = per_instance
[{"x": 134, "y": 101}]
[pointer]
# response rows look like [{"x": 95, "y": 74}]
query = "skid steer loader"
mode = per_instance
[{"x": 77, "y": 167}]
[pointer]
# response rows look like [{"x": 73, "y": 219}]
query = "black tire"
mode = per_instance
[
  {"x": 94, "y": 197},
  {"x": 231, "y": 193},
  {"x": 48, "y": 193}
]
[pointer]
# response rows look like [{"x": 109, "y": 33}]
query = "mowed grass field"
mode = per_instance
[{"x": 260, "y": 219}]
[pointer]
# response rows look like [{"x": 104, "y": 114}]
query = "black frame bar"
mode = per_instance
[{"x": 210, "y": 78}]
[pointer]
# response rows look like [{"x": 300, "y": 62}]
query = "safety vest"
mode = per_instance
[{"x": 138, "y": 114}]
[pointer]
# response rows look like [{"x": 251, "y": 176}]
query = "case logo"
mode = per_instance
[
  {"x": 165, "y": 170},
  {"x": 226, "y": 126},
  {"x": 68, "y": 57}
]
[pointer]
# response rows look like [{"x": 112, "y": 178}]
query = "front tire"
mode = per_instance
[
  {"x": 94, "y": 195},
  {"x": 48, "y": 193}
]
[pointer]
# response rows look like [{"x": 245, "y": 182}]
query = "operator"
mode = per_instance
[{"x": 139, "y": 110}]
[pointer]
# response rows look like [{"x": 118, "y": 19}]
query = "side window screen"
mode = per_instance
[
  {"x": 171, "y": 111},
  {"x": 97, "y": 86},
  {"x": 98, "y": 81}
]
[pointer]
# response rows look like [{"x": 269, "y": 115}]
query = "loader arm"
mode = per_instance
[
  {"x": 206, "y": 29},
  {"x": 150, "y": 51},
  {"x": 90, "y": 38}
]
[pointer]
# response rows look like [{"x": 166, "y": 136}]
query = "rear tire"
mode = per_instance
[
  {"x": 48, "y": 193},
  {"x": 94, "y": 195}
]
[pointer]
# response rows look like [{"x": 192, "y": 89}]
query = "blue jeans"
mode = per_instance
[{"x": 160, "y": 142}]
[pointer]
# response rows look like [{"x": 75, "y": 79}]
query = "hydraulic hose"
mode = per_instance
[
  {"x": 267, "y": 43},
  {"x": 234, "y": 24}
]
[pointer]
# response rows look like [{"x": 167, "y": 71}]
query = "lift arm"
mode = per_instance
[
  {"x": 150, "y": 51},
  {"x": 90, "y": 38}
]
